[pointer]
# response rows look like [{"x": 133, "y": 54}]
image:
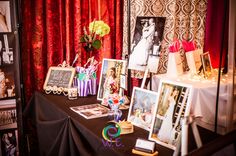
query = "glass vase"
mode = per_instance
[{"x": 115, "y": 113}]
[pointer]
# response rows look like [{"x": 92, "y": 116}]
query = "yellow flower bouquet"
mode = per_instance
[{"x": 92, "y": 40}]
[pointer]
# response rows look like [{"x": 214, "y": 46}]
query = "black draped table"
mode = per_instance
[{"x": 63, "y": 132}]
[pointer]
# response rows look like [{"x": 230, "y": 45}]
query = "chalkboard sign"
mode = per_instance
[{"x": 59, "y": 77}]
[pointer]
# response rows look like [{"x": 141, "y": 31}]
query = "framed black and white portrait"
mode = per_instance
[
  {"x": 5, "y": 17},
  {"x": 7, "y": 42},
  {"x": 147, "y": 39}
]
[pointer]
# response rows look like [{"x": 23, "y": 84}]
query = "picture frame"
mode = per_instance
[
  {"x": 7, "y": 49},
  {"x": 8, "y": 114},
  {"x": 7, "y": 83},
  {"x": 9, "y": 142},
  {"x": 174, "y": 100},
  {"x": 110, "y": 84},
  {"x": 146, "y": 41},
  {"x": 6, "y": 21},
  {"x": 59, "y": 78},
  {"x": 123, "y": 81},
  {"x": 141, "y": 111},
  {"x": 206, "y": 63},
  {"x": 153, "y": 62}
]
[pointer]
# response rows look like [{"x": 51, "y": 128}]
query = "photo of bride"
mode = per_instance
[
  {"x": 147, "y": 37},
  {"x": 173, "y": 103}
]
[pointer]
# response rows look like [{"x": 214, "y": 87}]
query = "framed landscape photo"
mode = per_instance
[
  {"x": 206, "y": 63},
  {"x": 141, "y": 111},
  {"x": 147, "y": 38},
  {"x": 109, "y": 82},
  {"x": 173, "y": 103}
]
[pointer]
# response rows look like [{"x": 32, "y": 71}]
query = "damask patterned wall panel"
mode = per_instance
[{"x": 185, "y": 20}]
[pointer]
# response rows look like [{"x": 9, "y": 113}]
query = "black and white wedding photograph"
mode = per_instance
[{"x": 147, "y": 39}]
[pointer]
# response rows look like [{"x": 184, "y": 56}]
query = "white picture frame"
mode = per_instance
[
  {"x": 123, "y": 81},
  {"x": 174, "y": 100},
  {"x": 108, "y": 85},
  {"x": 141, "y": 108}
]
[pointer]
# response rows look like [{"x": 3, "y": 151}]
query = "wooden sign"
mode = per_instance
[{"x": 60, "y": 77}]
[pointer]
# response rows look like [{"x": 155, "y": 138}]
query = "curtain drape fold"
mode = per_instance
[{"x": 52, "y": 31}]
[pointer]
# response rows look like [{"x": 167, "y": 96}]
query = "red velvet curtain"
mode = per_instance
[
  {"x": 52, "y": 31},
  {"x": 216, "y": 34}
]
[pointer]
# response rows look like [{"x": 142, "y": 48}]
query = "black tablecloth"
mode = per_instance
[{"x": 63, "y": 132}]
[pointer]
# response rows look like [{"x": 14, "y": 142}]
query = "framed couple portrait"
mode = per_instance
[
  {"x": 173, "y": 103},
  {"x": 146, "y": 43},
  {"x": 112, "y": 77}
]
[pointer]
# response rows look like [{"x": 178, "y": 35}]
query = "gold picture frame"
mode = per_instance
[{"x": 206, "y": 64}]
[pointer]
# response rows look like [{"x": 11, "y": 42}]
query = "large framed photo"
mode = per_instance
[
  {"x": 111, "y": 71},
  {"x": 5, "y": 17},
  {"x": 141, "y": 111},
  {"x": 173, "y": 103},
  {"x": 147, "y": 38}
]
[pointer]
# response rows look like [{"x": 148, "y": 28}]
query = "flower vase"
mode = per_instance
[{"x": 115, "y": 113}]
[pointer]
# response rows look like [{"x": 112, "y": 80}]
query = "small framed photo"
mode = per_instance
[
  {"x": 8, "y": 116},
  {"x": 7, "y": 83},
  {"x": 141, "y": 111},
  {"x": 5, "y": 17},
  {"x": 9, "y": 142},
  {"x": 7, "y": 47},
  {"x": 153, "y": 61},
  {"x": 111, "y": 71},
  {"x": 173, "y": 103},
  {"x": 59, "y": 77},
  {"x": 206, "y": 62},
  {"x": 123, "y": 81}
]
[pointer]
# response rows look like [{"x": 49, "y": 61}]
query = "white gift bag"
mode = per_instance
[
  {"x": 194, "y": 60},
  {"x": 175, "y": 65}
]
